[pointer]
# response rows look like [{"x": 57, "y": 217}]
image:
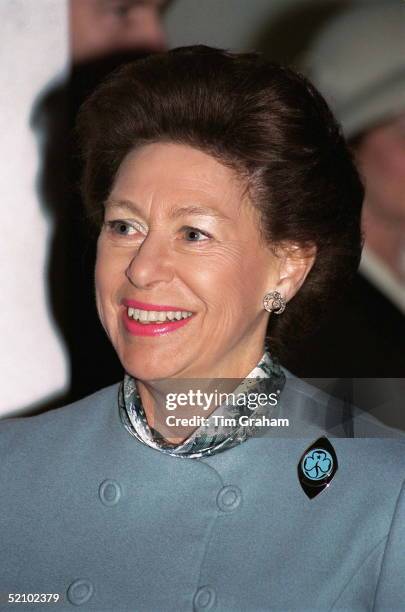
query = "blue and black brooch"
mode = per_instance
[{"x": 317, "y": 467}]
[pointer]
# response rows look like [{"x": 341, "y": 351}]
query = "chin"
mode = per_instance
[
  {"x": 146, "y": 367},
  {"x": 145, "y": 373}
]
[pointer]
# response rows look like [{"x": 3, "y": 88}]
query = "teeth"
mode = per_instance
[
  {"x": 157, "y": 316},
  {"x": 143, "y": 315}
]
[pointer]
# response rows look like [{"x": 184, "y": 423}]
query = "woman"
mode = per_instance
[{"x": 228, "y": 212}]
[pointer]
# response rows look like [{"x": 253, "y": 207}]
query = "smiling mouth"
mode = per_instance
[{"x": 147, "y": 317}]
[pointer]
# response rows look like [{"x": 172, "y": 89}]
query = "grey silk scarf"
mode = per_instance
[{"x": 211, "y": 437}]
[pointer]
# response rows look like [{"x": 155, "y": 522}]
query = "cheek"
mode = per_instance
[
  {"x": 100, "y": 274},
  {"x": 395, "y": 164},
  {"x": 107, "y": 274},
  {"x": 391, "y": 164},
  {"x": 101, "y": 286},
  {"x": 384, "y": 162},
  {"x": 230, "y": 284}
]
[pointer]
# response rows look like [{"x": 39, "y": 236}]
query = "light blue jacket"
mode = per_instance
[{"x": 92, "y": 514}]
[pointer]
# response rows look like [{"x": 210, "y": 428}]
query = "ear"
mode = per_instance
[{"x": 295, "y": 263}]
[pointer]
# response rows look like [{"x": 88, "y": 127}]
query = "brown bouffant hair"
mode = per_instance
[{"x": 265, "y": 121}]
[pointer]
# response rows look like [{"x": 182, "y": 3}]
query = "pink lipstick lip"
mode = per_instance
[
  {"x": 151, "y": 329},
  {"x": 144, "y": 306}
]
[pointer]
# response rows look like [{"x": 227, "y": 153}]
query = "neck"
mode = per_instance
[{"x": 202, "y": 390}]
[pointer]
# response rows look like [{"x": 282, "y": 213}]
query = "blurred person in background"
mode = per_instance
[
  {"x": 101, "y": 27},
  {"x": 358, "y": 62}
]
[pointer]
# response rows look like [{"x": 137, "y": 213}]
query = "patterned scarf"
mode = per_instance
[{"x": 210, "y": 438}]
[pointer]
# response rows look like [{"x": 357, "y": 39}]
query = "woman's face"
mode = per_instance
[{"x": 179, "y": 234}]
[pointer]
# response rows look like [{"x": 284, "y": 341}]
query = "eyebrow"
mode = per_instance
[{"x": 174, "y": 213}]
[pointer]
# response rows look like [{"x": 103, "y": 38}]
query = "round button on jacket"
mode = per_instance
[
  {"x": 204, "y": 599},
  {"x": 229, "y": 498},
  {"x": 79, "y": 592},
  {"x": 109, "y": 492}
]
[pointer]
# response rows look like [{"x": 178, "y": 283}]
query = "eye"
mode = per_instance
[
  {"x": 120, "y": 227},
  {"x": 120, "y": 9},
  {"x": 193, "y": 234}
]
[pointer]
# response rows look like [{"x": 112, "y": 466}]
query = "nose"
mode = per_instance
[{"x": 152, "y": 263}]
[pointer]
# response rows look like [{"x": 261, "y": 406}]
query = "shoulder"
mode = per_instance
[
  {"x": 366, "y": 445},
  {"x": 79, "y": 419},
  {"x": 332, "y": 401}
]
